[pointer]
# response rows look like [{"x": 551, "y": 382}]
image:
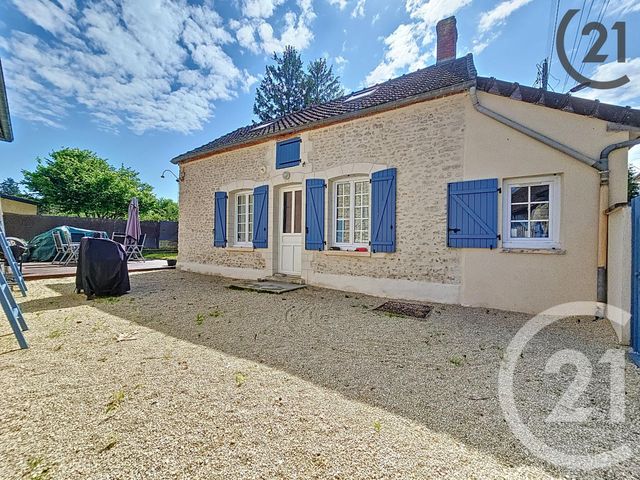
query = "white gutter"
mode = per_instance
[{"x": 601, "y": 164}]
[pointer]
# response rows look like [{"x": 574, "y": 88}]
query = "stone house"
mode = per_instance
[{"x": 440, "y": 185}]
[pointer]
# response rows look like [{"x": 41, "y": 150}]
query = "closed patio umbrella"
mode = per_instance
[{"x": 133, "y": 230}]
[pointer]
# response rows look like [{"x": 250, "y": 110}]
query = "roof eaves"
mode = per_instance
[
  {"x": 561, "y": 101},
  {"x": 19, "y": 199},
  {"x": 441, "y": 92},
  {"x": 6, "y": 132}
]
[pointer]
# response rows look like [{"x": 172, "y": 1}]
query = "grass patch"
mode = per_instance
[
  {"x": 160, "y": 255},
  {"x": 55, "y": 333},
  {"x": 108, "y": 300},
  {"x": 116, "y": 400},
  {"x": 457, "y": 361},
  {"x": 377, "y": 426},
  {"x": 240, "y": 379},
  {"x": 200, "y": 318},
  {"x": 216, "y": 313},
  {"x": 38, "y": 469},
  {"x": 112, "y": 441}
]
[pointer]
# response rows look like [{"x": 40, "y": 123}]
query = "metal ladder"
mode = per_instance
[
  {"x": 9, "y": 305},
  {"x": 15, "y": 270},
  {"x": 12, "y": 310}
]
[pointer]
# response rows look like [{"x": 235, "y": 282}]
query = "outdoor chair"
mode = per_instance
[
  {"x": 72, "y": 249},
  {"x": 134, "y": 250},
  {"x": 61, "y": 251},
  {"x": 118, "y": 237}
]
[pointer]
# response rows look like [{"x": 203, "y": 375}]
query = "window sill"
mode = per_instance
[
  {"x": 238, "y": 248},
  {"x": 345, "y": 253},
  {"x": 540, "y": 251}
]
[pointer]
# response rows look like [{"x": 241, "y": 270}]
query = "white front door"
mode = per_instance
[{"x": 291, "y": 231}]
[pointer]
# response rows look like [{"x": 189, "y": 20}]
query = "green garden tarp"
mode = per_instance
[{"x": 43, "y": 249}]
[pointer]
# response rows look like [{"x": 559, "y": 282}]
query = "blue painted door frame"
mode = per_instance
[{"x": 635, "y": 280}]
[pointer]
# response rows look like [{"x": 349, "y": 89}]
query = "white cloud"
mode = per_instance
[
  {"x": 499, "y": 14},
  {"x": 340, "y": 60},
  {"x": 260, "y": 8},
  {"x": 410, "y": 46},
  {"x": 340, "y": 3},
  {"x": 624, "y": 7},
  {"x": 358, "y": 11},
  {"x": 431, "y": 11},
  {"x": 46, "y": 14},
  {"x": 258, "y": 35},
  {"x": 628, "y": 94},
  {"x": 403, "y": 51},
  {"x": 375, "y": 18},
  {"x": 491, "y": 20},
  {"x": 153, "y": 65},
  {"x": 246, "y": 38}
]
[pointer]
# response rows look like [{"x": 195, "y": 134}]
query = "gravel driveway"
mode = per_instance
[{"x": 184, "y": 378}]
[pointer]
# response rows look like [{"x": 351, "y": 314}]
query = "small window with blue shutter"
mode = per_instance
[
  {"x": 288, "y": 153},
  {"x": 220, "y": 219},
  {"x": 472, "y": 214}
]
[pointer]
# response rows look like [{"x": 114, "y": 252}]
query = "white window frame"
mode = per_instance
[
  {"x": 350, "y": 245},
  {"x": 248, "y": 225},
  {"x": 553, "y": 241}
]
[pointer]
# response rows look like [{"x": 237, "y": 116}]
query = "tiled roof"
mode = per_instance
[
  {"x": 6, "y": 133},
  {"x": 439, "y": 77},
  {"x": 443, "y": 78},
  {"x": 561, "y": 101}
]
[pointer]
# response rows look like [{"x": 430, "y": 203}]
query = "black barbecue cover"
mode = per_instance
[{"x": 102, "y": 268}]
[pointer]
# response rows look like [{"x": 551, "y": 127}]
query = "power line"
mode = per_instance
[
  {"x": 574, "y": 52},
  {"x": 575, "y": 37},
  {"x": 592, "y": 40},
  {"x": 552, "y": 46},
  {"x": 544, "y": 68}
]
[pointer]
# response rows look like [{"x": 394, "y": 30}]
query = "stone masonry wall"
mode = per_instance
[
  {"x": 202, "y": 179},
  {"x": 425, "y": 142}
]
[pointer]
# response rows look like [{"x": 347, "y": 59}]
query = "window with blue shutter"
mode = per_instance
[
  {"x": 472, "y": 214},
  {"x": 383, "y": 211},
  {"x": 288, "y": 153},
  {"x": 314, "y": 231},
  {"x": 220, "y": 220},
  {"x": 260, "y": 216}
]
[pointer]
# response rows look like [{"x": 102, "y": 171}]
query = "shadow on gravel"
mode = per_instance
[{"x": 440, "y": 372}]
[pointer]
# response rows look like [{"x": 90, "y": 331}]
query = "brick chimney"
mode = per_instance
[{"x": 447, "y": 39}]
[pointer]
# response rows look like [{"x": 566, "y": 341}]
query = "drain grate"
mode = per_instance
[{"x": 416, "y": 310}]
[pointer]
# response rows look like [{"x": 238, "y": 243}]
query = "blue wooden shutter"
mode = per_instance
[
  {"x": 383, "y": 211},
  {"x": 260, "y": 216},
  {"x": 288, "y": 153},
  {"x": 472, "y": 214},
  {"x": 314, "y": 213},
  {"x": 220, "y": 219}
]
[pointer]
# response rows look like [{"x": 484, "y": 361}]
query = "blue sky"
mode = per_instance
[{"x": 140, "y": 81}]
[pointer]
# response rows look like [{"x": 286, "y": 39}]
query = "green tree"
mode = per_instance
[
  {"x": 163, "y": 209},
  {"x": 287, "y": 88},
  {"x": 10, "y": 187},
  {"x": 633, "y": 188},
  {"x": 282, "y": 90},
  {"x": 322, "y": 85},
  {"x": 78, "y": 182}
]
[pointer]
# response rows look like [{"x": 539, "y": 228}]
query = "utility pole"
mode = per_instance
[{"x": 545, "y": 74}]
